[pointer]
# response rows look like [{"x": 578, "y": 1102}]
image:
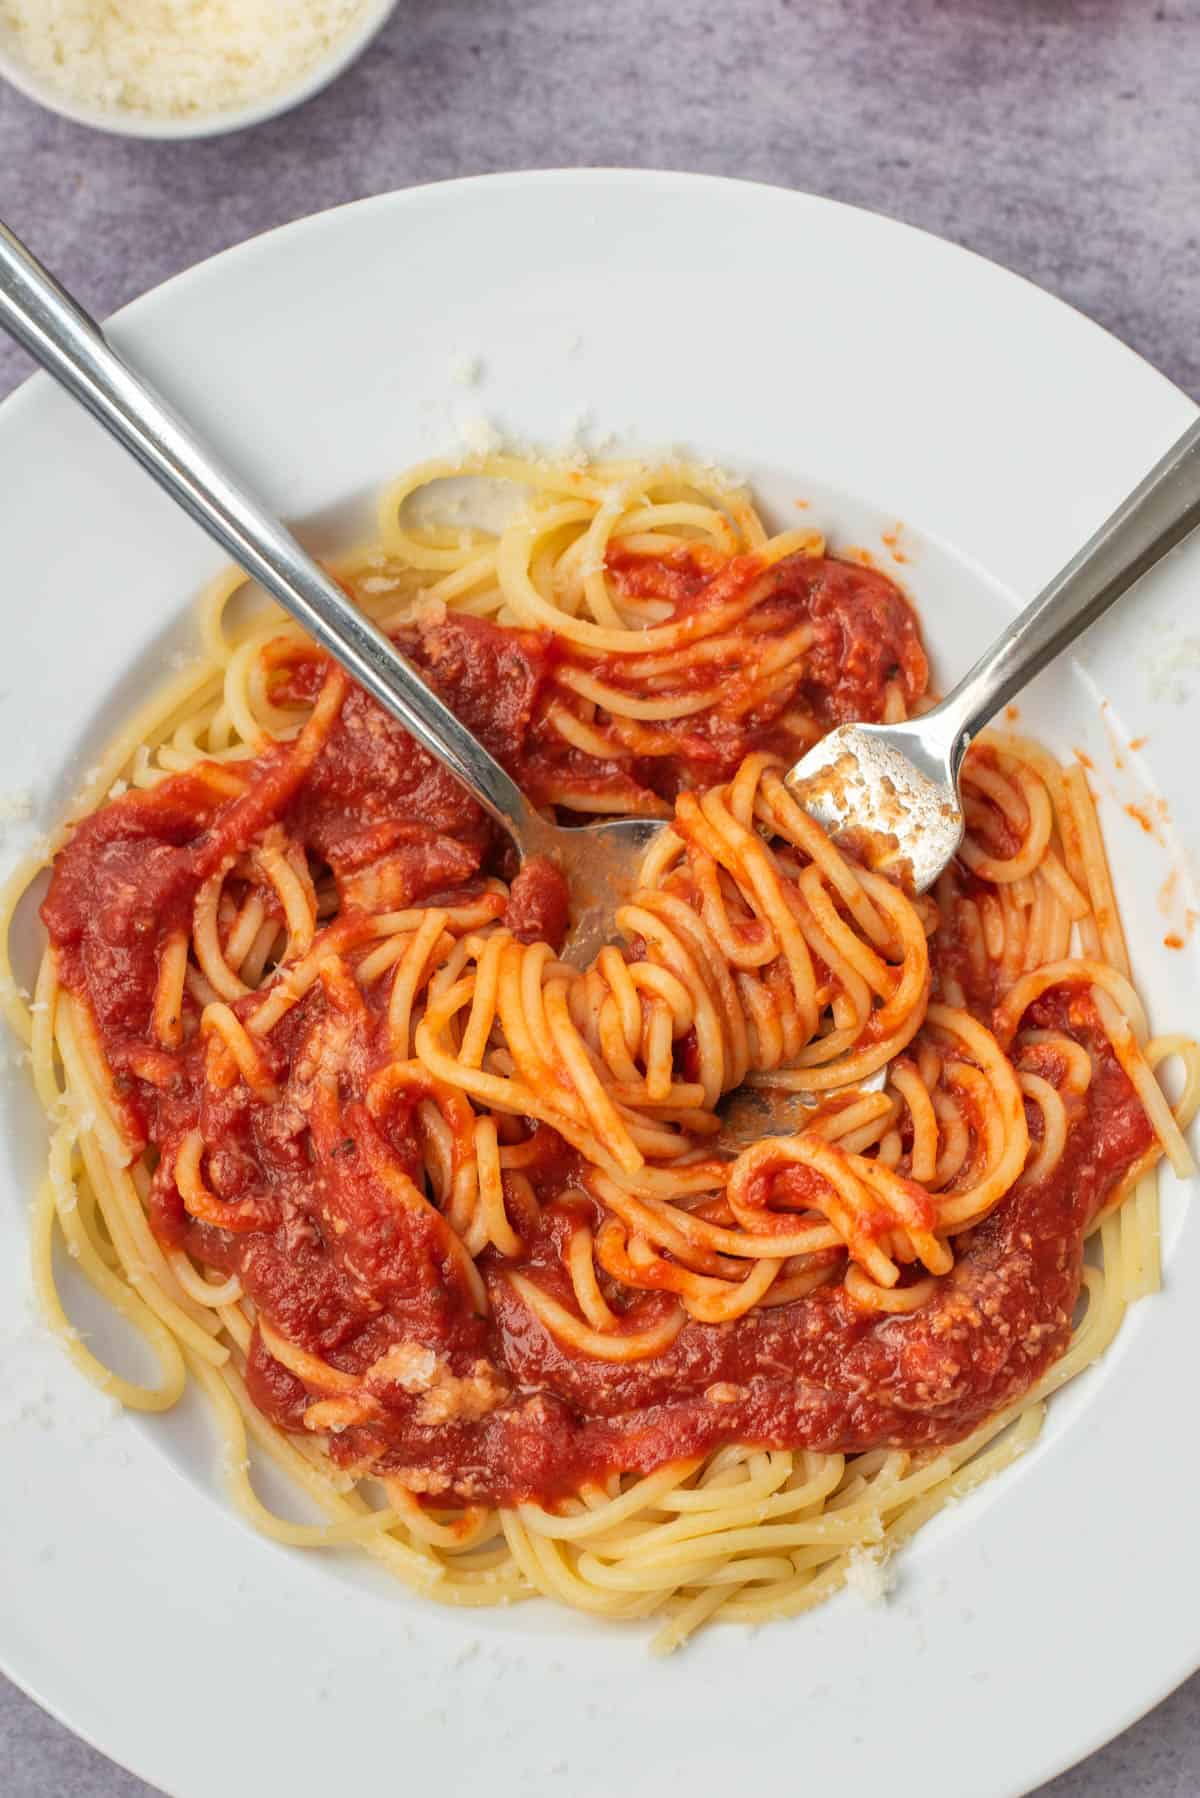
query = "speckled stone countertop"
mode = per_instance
[{"x": 1060, "y": 137}]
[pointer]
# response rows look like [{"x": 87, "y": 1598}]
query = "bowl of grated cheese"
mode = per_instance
[{"x": 180, "y": 68}]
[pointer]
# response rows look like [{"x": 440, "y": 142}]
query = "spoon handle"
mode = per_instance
[
  {"x": 57, "y": 332},
  {"x": 1157, "y": 515}
]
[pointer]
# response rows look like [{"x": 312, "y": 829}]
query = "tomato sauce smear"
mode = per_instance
[{"x": 322, "y": 1210}]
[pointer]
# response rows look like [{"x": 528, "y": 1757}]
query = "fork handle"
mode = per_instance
[
  {"x": 1159, "y": 513},
  {"x": 43, "y": 317}
]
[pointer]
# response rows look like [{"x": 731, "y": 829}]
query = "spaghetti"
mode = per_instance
[{"x": 447, "y": 1227}]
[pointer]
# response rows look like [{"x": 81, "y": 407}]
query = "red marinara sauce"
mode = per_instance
[{"x": 313, "y": 1186}]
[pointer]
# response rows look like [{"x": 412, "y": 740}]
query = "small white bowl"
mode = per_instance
[{"x": 14, "y": 69}]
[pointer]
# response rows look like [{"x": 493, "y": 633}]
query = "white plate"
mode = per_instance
[{"x": 832, "y": 353}]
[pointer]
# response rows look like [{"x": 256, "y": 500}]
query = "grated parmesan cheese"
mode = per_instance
[
  {"x": 868, "y": 1574},
  {"x": 175, "y": 58},
  {"x": 479, "y": 434},
  {"x": 15, "y": 808},
  {"x": 575, "y": 426},
  {"x": 466, "y": 368}
]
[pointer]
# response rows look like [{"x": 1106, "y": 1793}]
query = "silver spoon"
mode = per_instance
[{"x": 894, "y": 787}]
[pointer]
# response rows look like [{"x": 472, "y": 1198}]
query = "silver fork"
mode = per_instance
[{"x": 893, "y": 786}]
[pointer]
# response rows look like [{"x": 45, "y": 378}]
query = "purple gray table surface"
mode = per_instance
[{"x": 1059, "y": 137}]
